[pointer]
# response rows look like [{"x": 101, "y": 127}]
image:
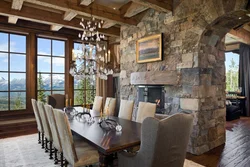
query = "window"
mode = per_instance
[
  {"x": 232, "y": 71},
  {"x": 50, "y": 67},
  {"x": 84, "y": 90},
  {"x": 12, "y": 71}
]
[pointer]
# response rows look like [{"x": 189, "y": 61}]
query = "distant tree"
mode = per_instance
[
  {"x": 18, "y": 102},
  {"x": 79, "y": 97},
  {"x": 40, "y": 87},
  {"x": 232, "y": 76}
]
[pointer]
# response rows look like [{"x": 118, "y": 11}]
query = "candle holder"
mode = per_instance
[{"x": 109, "y": 124}]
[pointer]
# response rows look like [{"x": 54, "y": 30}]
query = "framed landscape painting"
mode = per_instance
[{"x": 149, "y": 49}]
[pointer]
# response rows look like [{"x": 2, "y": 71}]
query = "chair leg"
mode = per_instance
[
  {"x": 50, "y": 150},
  {"x": 55, "y": 159},
  {"x": 61, "y": 159},
  {"x": 39, "y": 137},
  {"x": 42, "y": 140},
  {"x": 46, "y": 145}
]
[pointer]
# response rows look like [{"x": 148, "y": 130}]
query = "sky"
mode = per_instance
[{"x": 229, "y": 56}]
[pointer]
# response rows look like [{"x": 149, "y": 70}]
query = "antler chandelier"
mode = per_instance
[{"x": 92, "y": 58}]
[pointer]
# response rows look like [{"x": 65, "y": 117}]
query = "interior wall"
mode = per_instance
[{"x": 196, "y": 53}]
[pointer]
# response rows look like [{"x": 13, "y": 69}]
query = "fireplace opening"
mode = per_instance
[{"x": 152, "y": 94}]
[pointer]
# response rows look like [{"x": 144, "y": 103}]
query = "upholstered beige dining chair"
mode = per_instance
[
  {"x": 163, "y": 143},
  {"x": 38, "y": 122},
  {"x": 110, "y": 106},
  {"x": 83, "y": 154},
  {"x": 54, "y": 131},
  {"x": 97, "y": 106},
  {"x": 126, "y": 109},
  {"x": 46, "y": 126},
  {"x": 56, "y": 100},
  {"x": 145, "y": 110}
]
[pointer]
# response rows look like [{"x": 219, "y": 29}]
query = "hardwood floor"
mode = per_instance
[{"x": 235, "y": 152}]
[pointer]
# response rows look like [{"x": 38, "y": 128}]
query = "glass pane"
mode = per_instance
[
  {"x": 17, "y": 43},
  {"x": 90, "y": 96},
  {"x": 58, "y": 48},
  {"x": 17, "y": 81},
  {"x": 4, "y": 101},
  {"x": 18, "y": 62},
  {"x": 4, "y": 80},
  {"x": 43, "y": 81},
  {"x": 17, "y": 100},
  {"x": 58, "y": 65},
  {"x": 77, "y": 46},
  {"x": 79, "y": 97},
  {"x": 58, "y": 81},
  {"x": 79, "y": 84},
  {"x": 44, "y": 64},
  {"x": 4, "y": 43},
  {"x": 42, "y": 95},
  {"x": 232, "y": 71},
  {"x": 44, "y": 46},
  {"x": 90, "y": 83},
  {"x": 3, "y": 61},
  {"x": 58, "y": 92}
]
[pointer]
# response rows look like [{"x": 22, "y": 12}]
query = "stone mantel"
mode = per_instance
[{"x": 154, "y": 78}]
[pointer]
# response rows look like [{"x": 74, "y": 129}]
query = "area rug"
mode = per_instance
[{"x": 24, "y": 151}]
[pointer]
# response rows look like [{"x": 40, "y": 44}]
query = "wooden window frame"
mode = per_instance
[
  {"x": 51, "y": 56},
  {"x": 9, "y": 71}
]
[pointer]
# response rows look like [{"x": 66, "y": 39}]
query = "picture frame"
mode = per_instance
[{"x": 149, "y": 49}]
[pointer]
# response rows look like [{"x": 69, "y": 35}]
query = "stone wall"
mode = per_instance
[{"x": 193, "y": 47}]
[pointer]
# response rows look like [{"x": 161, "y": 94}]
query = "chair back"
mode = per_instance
[
  {"x": 126, "y": 109},
  {"x": 110, "y": 106},
  {"x": 145, "y": 110},
  {"x": 37, "y": 116},
  {"x": 52, "y": 122},
  {"x": 66, "y": 138},
  {"x": 97, "y": 106},
  {"x": 164, "y": 142},
  {"x": 56, "y": 100},
  {"x": 45, "y": 122}
]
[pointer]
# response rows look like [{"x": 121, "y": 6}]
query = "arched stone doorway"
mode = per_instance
[{"x": 209, "y": 131}]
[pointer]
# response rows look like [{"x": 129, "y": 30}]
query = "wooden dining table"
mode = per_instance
[{"x": 107, "y": 142}]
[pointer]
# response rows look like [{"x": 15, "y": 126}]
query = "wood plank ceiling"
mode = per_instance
[{"x": 66, "y": 14}]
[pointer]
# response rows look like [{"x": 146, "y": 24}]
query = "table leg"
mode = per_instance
[{"x": 103, "y": 160}]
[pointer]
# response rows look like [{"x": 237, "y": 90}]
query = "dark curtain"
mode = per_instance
[{"x": 244, "y": 74}]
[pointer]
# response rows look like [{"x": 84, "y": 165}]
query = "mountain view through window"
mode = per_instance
[
  {"x": 12, "y": 71},
  {"x": 50, "y": 67}
]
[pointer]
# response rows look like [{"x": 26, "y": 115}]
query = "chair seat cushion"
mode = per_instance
[{"x": 87, "y": 155}]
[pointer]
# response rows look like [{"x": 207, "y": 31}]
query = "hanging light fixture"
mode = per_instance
[{"x": 92, "y": 58}]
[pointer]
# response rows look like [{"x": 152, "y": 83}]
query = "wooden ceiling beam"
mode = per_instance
[
  {"x": 108, "y": 24},
  {"x": 55, "y": 27},
  {"x": 240, "y": 35},
  {"x": 98, "y": 11},
  {"x": 38, "y": 28},
  {"x": 157, "y": 5},
  {"x": 17, "y": 4},
  {"x": 86, "y": 2},
  {"x": 12, "y": 19},
  {"x": 135, "y": 9},
  {"x": 45, "y": 17},
  {"x": 69, "y": 15}
]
